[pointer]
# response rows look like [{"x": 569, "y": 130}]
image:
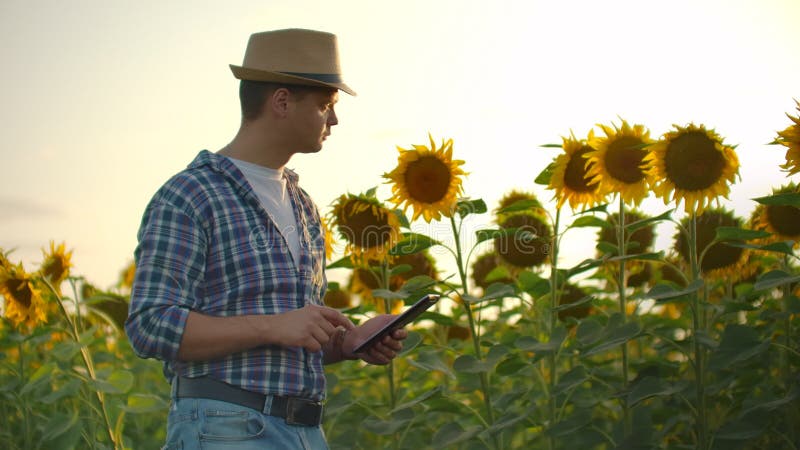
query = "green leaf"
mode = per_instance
[
  {"x": 453, "y": 433},
  {"x": 119, "y": 382},
  {"x": 579, "y": 302},
  {"x": 470, "y": 364},
  {"x": 439, "y": 319},
  {"x": 390, "y": 295},
  {"x": 654, "y": 256},
  {"x": 573, "y": 423},
  {"x": 401, "y": 217},
  {"x": 466, "y": 207},
  {"x": 589, "y": 221},
  {"x": 59, "y": 424},
  {"x": 599, "y": 208},
  {"x": 633, "y": 226},
  {"x": 521, "y": 205},
  {"x": 739, "y": 234},
  {"x": 545, "y": 175},
  {"x": 533, "y": 284},
  {"x": 773, "y": 279},
  {"x": 431, "y": 360},
  {"x": 343, "y": 263},
  {"x": 649, "y": 387},
  {"x": 589, "y": 331},
  {"x": 784, "y": 247},
  {"x": 412, "y": 243},
  {"x": 569, "y": 380},
  {"x": 41, "y": 376},
  {"x": 412, "y": 341},
  {"x": 607, "y": 248},
  {"x": 485, "y": 235},
  {"x": 530, "y": 344},
  {"x": 739, "y": 343},
  {"x": 614, "y": 336},
  {"x": 144, "y": 404},
  {"x": 435, "y": 392},
  {"x": 663, "y": 291},
  {"x": 551, "y": 146},
  {"x": 68, "y": 390},
  {"x": 583, "y": 266},
  {"x": 497, "y": 290},
  {"x": 384, "y": 427},
  {"x": 785, "y": 199},
  {"x": 371, "y": 192}
]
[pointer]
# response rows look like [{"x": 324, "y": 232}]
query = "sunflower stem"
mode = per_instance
[
  {"x": 699, "y": 367},
  {"x": 388, "y": 308},
  {"x": 621, "y": 284},
  {"x": 88, "y": 363},
  {"x": 552, "y": 325},
  {"x": 487, "y": 400}
]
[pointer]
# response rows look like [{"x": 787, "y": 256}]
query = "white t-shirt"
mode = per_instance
[{"x": 270, "y": 188}]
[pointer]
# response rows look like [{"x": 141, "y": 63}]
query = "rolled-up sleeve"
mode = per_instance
[{"x": 170, "y": 267}]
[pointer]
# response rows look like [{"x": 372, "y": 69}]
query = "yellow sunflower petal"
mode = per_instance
[
  {"x": 427, "y": 179},
  {"x": 692, "y": 165},
  {"x": 570, "y": 179},
  {"x": 618, "y": 163}
]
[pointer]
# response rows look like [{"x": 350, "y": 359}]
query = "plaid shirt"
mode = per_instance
[{"x": 207, "y": 245}]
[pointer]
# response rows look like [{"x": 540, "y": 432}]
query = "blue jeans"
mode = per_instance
[{"x": 197, "y": 423}]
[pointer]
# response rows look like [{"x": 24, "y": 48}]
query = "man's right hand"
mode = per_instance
[{"x": 310, "y": 327}]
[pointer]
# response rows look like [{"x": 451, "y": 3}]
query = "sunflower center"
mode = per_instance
[
  {"x": 20, "y": 291},
  {"x": 624, "y": 159},
  {"x": 54, "y": 270},
  {"x": 575, "y": 173},
  {"x": 784, "y": 219},
  {"x": 427, "y": 179},
  {"x": 366, "y": 230},
  {"x": 693, "y": 162}
]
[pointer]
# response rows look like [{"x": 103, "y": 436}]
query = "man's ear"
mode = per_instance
[{"x": 279, "y": 102}]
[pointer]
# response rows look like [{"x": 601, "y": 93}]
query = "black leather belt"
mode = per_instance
[{"x": 295, "y": 410}]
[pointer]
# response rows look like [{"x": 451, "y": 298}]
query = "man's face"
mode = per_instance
[{"x": 311, "y": 118}]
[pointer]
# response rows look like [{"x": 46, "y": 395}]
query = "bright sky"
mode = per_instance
[{"x": 102, "y": 101}]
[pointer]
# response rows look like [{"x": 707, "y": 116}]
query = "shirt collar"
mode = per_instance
[{"x": 223, "y": 165}]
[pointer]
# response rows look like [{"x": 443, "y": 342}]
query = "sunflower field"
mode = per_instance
[{"x": 694, "y": 346}]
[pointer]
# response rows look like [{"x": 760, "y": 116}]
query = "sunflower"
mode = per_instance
[
  {"x": 571, "y": 294},
  {"x": 23, "y": 300},
  {"x": 458, "y": 332},
  {"x": 570, "y": 179},
  {"x": 488, "y": 264},
  {"x": 368, "y": 227},
  {"x": 720, "y": 260},
  {"x": 529, "y": 245},
  {"x": 336, "y": 297},
  {"x": 328, "y": 234},
  {"x": 643, "y": 237},
  {"x": 421, "y": 264},
  {"x": 362, "y": 281},
  {"x": 790, "y": 138},
  {"x": 520, "y": 200},
  {"x": 692, "y": 164},
  {"x": 619, "y": 160},
  {"x": 783, "y": 221},
  {"x": 56, "y": 265},
  {"x": 127, "y": 275},
  {"x": 427, "y": 179}
]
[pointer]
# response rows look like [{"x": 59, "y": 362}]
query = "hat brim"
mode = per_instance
[{"x": 244, "y": 73}]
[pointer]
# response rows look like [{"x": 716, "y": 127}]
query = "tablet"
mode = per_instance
[{"x": 400, "y": 321}]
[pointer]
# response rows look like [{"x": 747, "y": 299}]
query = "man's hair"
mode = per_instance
[{"x": 253, "y": 95}]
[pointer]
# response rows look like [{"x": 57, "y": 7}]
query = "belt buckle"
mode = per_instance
[{"x": 299, "y": 409}]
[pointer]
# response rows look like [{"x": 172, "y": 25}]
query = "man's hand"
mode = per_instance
[
  {"x": 381, "y": 352},
  {"x": 310, "y": 327}
]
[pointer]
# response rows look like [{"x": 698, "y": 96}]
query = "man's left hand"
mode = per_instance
[{"x": 382, "y": 351}]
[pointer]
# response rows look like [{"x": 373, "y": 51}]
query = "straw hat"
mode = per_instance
[{"x": 292, "y": 56}]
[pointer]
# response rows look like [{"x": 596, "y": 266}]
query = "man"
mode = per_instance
[{"x": 230, "y": 266}]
